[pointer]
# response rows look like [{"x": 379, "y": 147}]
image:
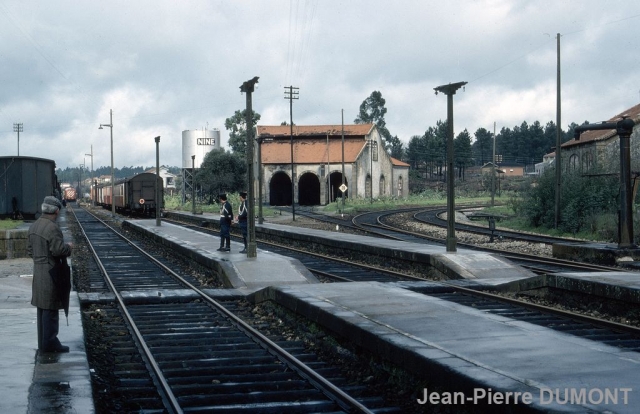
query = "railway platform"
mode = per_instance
[
  {"x": 465, "y": 264},
  {"x": 236, "y": 270},
  {"x": 466, "y": 267},
  {"x": 30, "y": 381},
  {"x": 470, "y": 358}
]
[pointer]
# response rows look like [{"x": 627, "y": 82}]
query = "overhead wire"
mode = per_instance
[{"x": 548, "y": 41}]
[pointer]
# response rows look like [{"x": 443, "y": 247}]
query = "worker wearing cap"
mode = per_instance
[
  {"x": 242, "y": 219},
  {"x": 46, "y": 246},
  {"x": 226, "y": 216}
]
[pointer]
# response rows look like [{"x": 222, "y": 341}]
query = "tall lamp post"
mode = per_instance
[
  {"x": 248, "y": 88},
  {"x": 342, "y": 187},
  {"x": 79, "y": 195},
  {"x": 91, "y": 189},
  {"x": 110, "y": 125},
  {"x": 158, "y": 197},
  {"x": 450, "y": 90}
]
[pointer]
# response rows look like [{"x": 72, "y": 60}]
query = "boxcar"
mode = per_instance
[
  {"x": 24, "y": 183},
  {"x": 133, "y": 195},
  {"x": 69, "y": 194}
]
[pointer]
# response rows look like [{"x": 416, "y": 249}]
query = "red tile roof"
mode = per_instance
[
  {"x": 311, "y": 151},
  {"x": 398, "y": 163},
  {"x": 588, "y": 136},
  {"x": 314, "y": 130},
  {"x": 310, "y": 143}
]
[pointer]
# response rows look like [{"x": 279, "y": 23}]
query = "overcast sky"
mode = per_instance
[{"x": 167, "y": 66}]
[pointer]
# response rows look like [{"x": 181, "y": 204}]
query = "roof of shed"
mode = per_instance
[
  {"x": 311, "y": 151},
  {"x": 314, "y": 130},
  {"x": 598, "y": 135}
]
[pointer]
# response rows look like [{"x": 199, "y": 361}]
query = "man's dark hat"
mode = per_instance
[
  {"x": 222, "y": 196},
  {"x": 243, "y": 194}
]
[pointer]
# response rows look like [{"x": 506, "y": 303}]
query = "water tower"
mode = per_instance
[{"x": 196, "y": 142}]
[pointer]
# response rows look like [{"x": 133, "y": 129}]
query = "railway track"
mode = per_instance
[
  {"x": 377, "y": 224},
  {"x": 192, "y": 353},
  {"x": 571, "y": 323},
  {"x": 341, "y": 270}
]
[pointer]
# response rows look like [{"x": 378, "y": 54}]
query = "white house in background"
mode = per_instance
[{"x": 548, "y": 160}]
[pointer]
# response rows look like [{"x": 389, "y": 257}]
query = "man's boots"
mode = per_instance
[
  {"x": 221, "y": 248},
  {"x": 228, "y": 248}
]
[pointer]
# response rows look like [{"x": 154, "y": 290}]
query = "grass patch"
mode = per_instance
[
  {"x": 8, "y": 224},
  {"x": 600, "y": 228}
]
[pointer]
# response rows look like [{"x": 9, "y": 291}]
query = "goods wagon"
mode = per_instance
[
  {"x": 69, "y": 194},
  {"x": 133, "y": 195},
  {"x": 24, "y": 183}
]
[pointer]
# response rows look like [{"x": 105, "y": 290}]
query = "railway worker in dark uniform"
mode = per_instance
[
  {"x": 242, "y": 219},
  {"x": 46, "y": 247},
  {"x": 226, "y": 216}
]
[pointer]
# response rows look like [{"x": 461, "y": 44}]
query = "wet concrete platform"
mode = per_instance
[
  {"x": 463, "y": 264},
  {"x": 600, "y": 253},
  {"x": 33, "y": 382},
  {"x": 620, "y": 286},
  {"x": 470, "y": 354},
  {"x": 237, "y": 270}
]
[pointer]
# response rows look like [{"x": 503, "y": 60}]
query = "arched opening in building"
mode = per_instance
[
  {"x": 400, "y": 184},
  {"x": 335, "y": 181},
  {"x": 309, "y": 190},
  {"x": 280, "y": 189},
  {"x": 367, "y": 187},
  {"x": 382, "y": 186}
]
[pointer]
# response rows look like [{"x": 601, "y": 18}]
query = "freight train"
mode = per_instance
[
  {"x": 69, "y": 194},
  {"x": 24, "y": 183},
  {"x": 135, "y": 195}
]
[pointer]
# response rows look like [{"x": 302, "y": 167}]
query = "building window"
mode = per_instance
[
  {"x": 587, "y": 161},
  {"x": 367, "y": 187},
  {"x": 374, "y": 150},
  {"x": 382, "y": 186},
  {"x": 399, "y": 186},
  {"x": 573, "y": 163}
]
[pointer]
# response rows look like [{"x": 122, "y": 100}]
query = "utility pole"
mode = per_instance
[
  {"x": 248, "y": 88},
  {"x": 450, "y": 90},
  {"x": 91, "y": 188},
  {"x": 159, "y": 195},
  {"x": 291, "y": 95},
  {"x": 558, "y": 140},
  {"x": 493, "y": 168},
  {"x": 18, "y": 128},
  {"x": 343, "y": 178}
]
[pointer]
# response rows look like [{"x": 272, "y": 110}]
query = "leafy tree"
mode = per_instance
[
  {"x": 237, "y": 125},
  {"x": 462, "y": 152},
  {"x": 483, "y": 146},
  {"x": 221, "y": 171},
  {"x": 437, "y": 145},
  {"x": 372, "y": 111},
  {"x": 584, "y": 199},
  {"x": 395, "y": 147},
  {"x": 415, "y": 151}
]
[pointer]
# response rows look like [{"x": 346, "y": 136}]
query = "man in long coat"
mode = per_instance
[{"x": 46, "y": 246}]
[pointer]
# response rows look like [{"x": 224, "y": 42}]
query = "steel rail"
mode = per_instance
[
  {"x": 174, "y": 405},
  {"x": 334, "y": 393},
  {"x": 487, "y": 295}
]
